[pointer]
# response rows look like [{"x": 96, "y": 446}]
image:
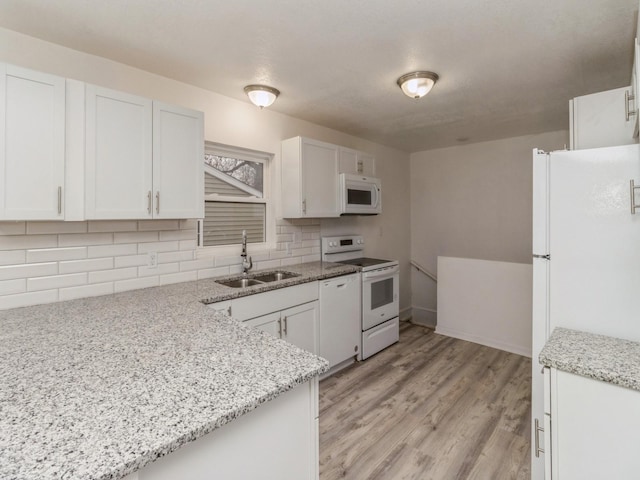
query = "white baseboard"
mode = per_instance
[
  {"x": 424, "y": 316},
  {"x": 489, "y": 342},
  {"x": 405, "y": 314}
]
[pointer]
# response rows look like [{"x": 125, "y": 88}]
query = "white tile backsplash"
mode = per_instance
[
  {"x": 44, "y": 262},
  {"x": 56, "y": 281},
  {"x": 12, "y": 257},
  {"x": 13, "y": 228},
  {"x": 56, "y": 254},
  {"x": 24, "y": 242},
  {"x": 84, "y": 291},
  {"x": 9, "y": 272},
  {"x": 99, "y": 251},
  {"x": 9, "y": 287},
  {"x": 113, "y": 275},
  {"x": 34, "y": 228},
  {"x": 74, "y": 240},
  {"x": 88, "y": 265}
]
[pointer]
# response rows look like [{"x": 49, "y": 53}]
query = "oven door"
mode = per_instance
[{"x": 379, "y": 296}]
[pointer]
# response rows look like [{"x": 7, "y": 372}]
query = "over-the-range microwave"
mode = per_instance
[{"x": 360, "y": 195}]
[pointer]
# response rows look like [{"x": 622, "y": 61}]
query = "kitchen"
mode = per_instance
[{"x": 236, "y": 122}]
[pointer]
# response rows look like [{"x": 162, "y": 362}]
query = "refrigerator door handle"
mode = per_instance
[{"x": 633, "y": 187}]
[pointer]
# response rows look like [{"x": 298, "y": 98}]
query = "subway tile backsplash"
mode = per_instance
[{"x": 45, "y": 262}]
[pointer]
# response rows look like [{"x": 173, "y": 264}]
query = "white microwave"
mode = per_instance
[{"x": 360, "y": 195}]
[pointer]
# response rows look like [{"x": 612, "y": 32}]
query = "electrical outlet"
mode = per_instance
[{"x": 152, "y": 259}]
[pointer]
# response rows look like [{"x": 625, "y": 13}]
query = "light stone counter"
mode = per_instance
[
  {"x": 98, "y": 388},
  {"x": 608, "y": 359}
]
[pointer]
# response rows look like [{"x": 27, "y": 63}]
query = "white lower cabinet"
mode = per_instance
[
  {"x": 594, "y": 429},
  {"x": 276, "y": 441},
  {"x": 290, "y": 313},
  {"x": 296, "y": 325}
]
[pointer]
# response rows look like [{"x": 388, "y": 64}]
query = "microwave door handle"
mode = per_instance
[
  {"x": 376, "y": 191},
  {"x": 383, "y": 273}
]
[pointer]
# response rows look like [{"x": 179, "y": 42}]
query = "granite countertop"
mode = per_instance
[
  {"x": 608, "y": 359},
  {"x": 97, "y": 388},
  {"x": 308, "y": 272}
]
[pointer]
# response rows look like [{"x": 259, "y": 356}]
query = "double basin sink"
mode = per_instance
[{"x": 257, "y": 279}]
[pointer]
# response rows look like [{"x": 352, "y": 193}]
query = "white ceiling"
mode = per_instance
[{"x": 507, "y": 67}]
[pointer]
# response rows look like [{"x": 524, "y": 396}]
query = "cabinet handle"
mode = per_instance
[
  {"x": 304, "y": 206},
  {"x": 229, "y": 310},
  {"x": 628, "y": 113},
  {"x": 280, "y": 327},
  {"x": 59, "y": 200},
  {"x": 633, "y": 187},
  {"x": 149, "y": 202},
  {"x": 537, "y": 438},
  {"x": 157, "y": 202},
  {"x": 285, "y": 326}
]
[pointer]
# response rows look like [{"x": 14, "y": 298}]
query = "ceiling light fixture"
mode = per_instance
[
  {"x": 261, "y": 95},
  {"x": 417, "y": 84}
]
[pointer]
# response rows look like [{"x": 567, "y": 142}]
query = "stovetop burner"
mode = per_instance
[{"x": 364, "y": 262}]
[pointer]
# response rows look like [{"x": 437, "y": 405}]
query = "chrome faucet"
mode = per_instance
[{"x": 246, "y": 264}]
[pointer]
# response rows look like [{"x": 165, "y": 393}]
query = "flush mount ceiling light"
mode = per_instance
[
  {"x": 417, "y": 84},
  {"x": 261, "y": 95}
]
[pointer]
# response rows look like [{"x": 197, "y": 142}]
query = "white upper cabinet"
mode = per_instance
[
  {"x": 178, "y": 158},
  {"x": 309, "y": 179},
  {"x": 357, "y": 163},
  {"x": 603, "y": 119},
  {"x": 118, "y": 168},
  {"x": 144, "y": 159},
  {"x": 32, "y": 145}
]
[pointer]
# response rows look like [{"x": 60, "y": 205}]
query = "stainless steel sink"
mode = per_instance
[
  {"x": 275, "y": 276},
  {"x": 240, "y": 282},
  {"x": 257, "y": 279}
]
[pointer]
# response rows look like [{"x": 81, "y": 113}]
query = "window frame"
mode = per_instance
[{"x": 267, "y": 177}]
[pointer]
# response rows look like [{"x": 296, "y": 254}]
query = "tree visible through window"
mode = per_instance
[
  {"x": 245, "y": 171},
  {"x": 234, "y": 196}
]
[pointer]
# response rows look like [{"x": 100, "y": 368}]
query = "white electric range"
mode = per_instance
[{"x": 380, "y": 291}]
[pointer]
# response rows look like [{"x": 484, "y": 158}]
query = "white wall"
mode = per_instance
[
  {"x": 472, "y": 201},
  {"x": 230, "y": 122},
  {"x": 486, "y": 302}
]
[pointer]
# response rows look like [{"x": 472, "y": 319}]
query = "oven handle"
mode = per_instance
[{"x": 385, "y": 272}]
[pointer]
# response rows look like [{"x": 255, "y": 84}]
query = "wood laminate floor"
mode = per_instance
[{"x": 429, "y": 407}]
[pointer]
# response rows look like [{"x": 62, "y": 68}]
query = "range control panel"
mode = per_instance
[{"x": 346, "y": 243}]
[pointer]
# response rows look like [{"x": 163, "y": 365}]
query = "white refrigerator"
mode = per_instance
[{"x": 586, "y": 253}]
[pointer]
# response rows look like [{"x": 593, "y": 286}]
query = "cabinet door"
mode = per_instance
[
  {"x": 348, "y": 160},
  {"x": 357, "y": 163},
  {"x": 178, "y": 162},
  {"x": 600, "y": 120},
  {"x": 366, "y": 164},
  {"x": 32, "y": 144},
  {"x": 320, "y": 179},
  {"x": 300, "y": 326},
  {"x": 118, "y": 173},
  {"x": 269, "y": 323},
  {"x": 595, "y": 428}
]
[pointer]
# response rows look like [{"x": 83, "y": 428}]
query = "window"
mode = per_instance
[{"x": 235, "y": 196}]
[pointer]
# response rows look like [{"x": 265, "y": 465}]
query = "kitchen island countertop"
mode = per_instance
[
  {"x": 600, "y": 357},
  {"x": 98, "y": 388}
]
